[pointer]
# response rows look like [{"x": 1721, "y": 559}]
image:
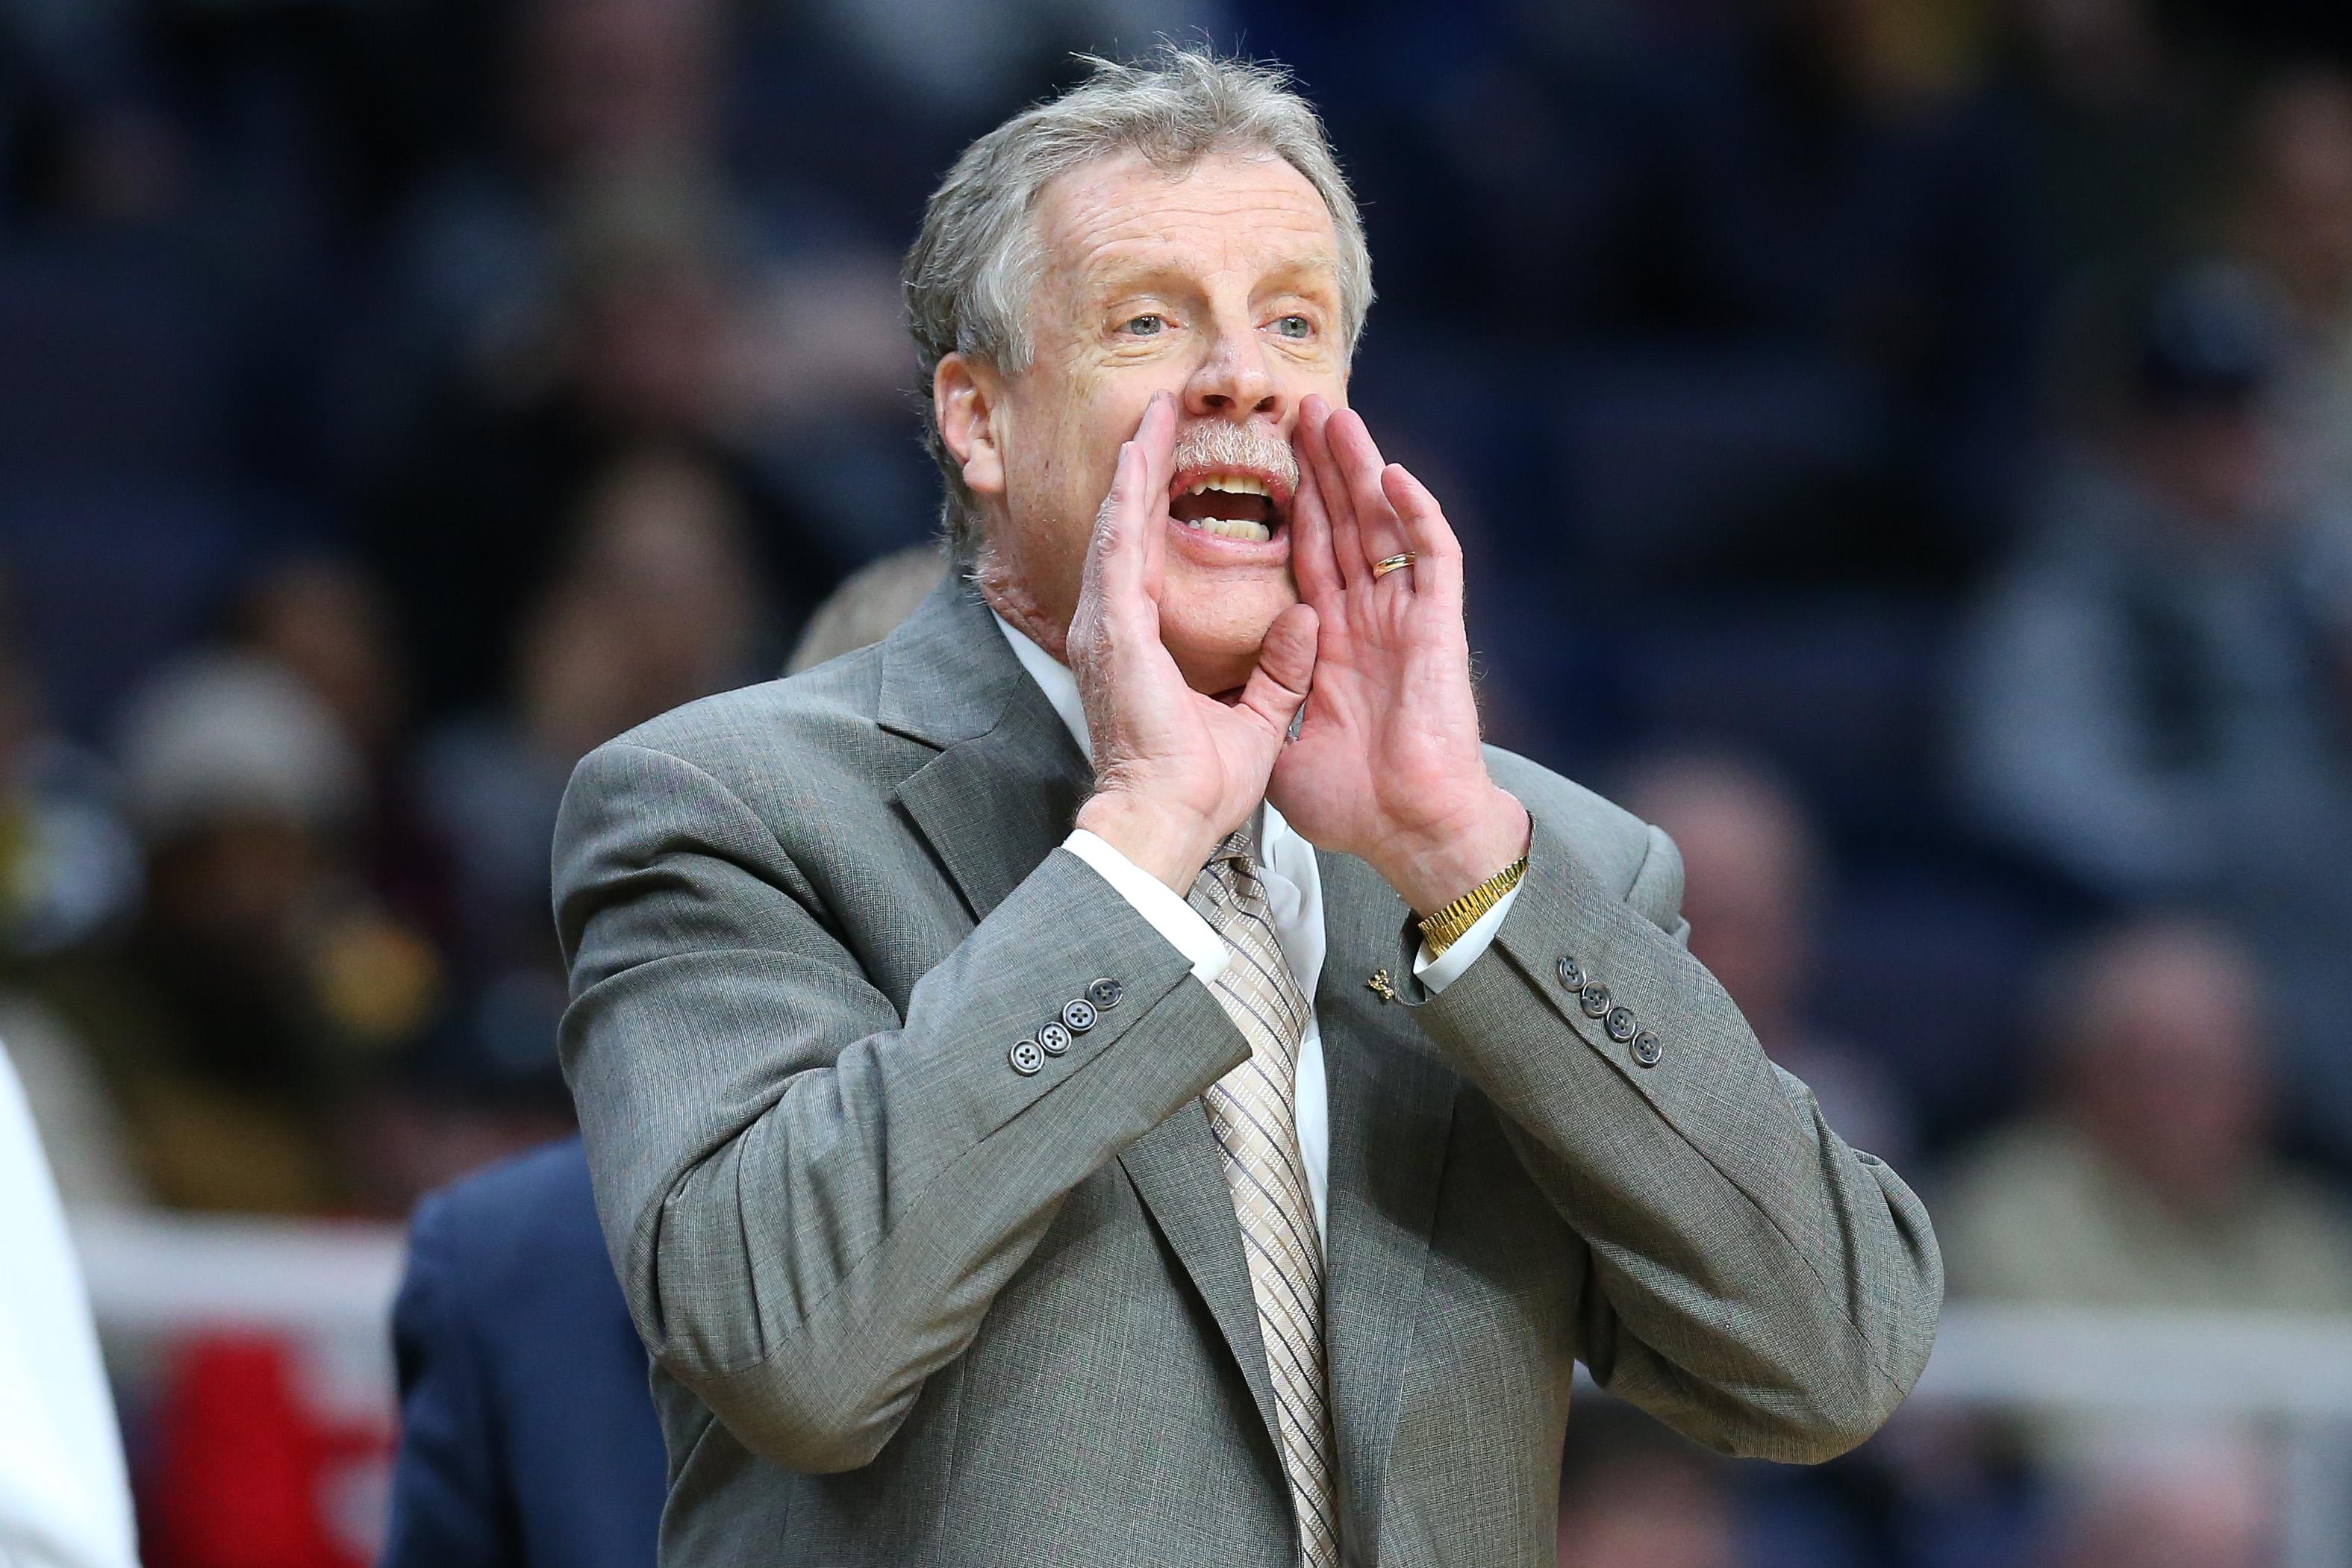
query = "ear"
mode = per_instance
[{"x": 967, "y": 396}]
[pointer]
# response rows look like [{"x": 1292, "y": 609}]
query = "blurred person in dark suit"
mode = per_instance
[
  {"x": 2156, "y": 700},
  {"x": 528, "y": 1437}
]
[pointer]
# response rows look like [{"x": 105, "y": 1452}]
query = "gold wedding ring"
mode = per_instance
[{"x": 1387, "y": 564}]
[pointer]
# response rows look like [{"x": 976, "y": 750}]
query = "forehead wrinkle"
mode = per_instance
[{"x": 1129, "y": 221}]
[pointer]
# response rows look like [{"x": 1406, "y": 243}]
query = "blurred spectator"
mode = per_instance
[
  {"x": 260, "y": 985},
  {"x": 1792, "y": 254},
  {"x": 1634, "y": 1496},
  {"x": 2296, "y": 229},
  {"x": 79, "y": 144},
  {"x": 656, "y": 603},
  {"x": 2156, "y": 701},
  {"x": 593, "y": 90},
  {"x": 69, "y": 878},
  {"x": 1753, "y": 881},
  {"x": 2145, "y": 1178},
  {"x": 869, "y": 606},
  {"x": 2206, "y": 1515},
  {"x": 324, "y": 622},
  {"x": 528, "y": 1437},
  {"x": 2129, "y": 111},
  {"x": 638, "y": 352},
  {"x": 68, "y": 866},
  {"x": 64, "y": 1499}
]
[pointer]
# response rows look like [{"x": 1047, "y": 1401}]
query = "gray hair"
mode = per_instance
[{"x": 968, "y": 274}]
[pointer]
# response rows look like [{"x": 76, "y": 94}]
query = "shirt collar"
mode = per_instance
[
  {"x": 1061, "y": 688},
  {"x": 1052, "y": 678}
]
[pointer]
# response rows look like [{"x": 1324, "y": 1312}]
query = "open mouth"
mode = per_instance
[{"x": 1248, "y": 506}]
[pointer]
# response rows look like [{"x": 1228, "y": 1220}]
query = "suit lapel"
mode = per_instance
[
  {"x": 1008, "y": 778},
  {"x": 1178, "y": 1172},
  {"x": 993, "y": 803},
  {"x": 994, "y": 806},
  {"x": 1391, "y": 1107}
]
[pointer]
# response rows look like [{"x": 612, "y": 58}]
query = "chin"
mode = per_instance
[{"x": 1214, "y": 630}]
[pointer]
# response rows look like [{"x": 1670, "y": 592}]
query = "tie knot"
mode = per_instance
[{"x": 1233, "y": 846}]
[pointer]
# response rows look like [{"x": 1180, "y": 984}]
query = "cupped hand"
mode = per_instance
[
  {"x": 1175, "y": 770},
  {"x": 1386, "y": 765}
]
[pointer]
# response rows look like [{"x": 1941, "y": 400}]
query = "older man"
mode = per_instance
[{"x": 1116, "y": 1075}]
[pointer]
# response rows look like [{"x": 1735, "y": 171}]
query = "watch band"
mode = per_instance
[{"x": 1444, "y": 928}]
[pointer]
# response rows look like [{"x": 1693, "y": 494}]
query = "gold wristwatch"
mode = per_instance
[{"x": 1444, "y": 928}]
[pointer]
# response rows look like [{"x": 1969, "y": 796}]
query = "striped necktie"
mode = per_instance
[{"x": 1253, "y": 1110}]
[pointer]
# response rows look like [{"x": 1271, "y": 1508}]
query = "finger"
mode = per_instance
[
  {"x": 1285, "y": 669},
  {"x": 1332, "y": 489},
  {"x": 1378, "y": 533},
  {"x": 1114, "y": 598},
  {"x": 1310, "y": 540},
  {"x": 1437, "y": 553},
  {"x": 1155, "y": 441},
  {"x": 1112, "y": 554}
]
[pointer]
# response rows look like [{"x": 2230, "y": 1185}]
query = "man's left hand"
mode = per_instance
[{"x": 1386, "y": 765}]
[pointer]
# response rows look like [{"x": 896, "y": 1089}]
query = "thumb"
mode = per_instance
[{"x": 1286, "y": 668}]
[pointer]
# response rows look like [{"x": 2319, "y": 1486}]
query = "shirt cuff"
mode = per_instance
[
  {"x": 1435, "y": 973},
  {"x": 1157, "y": 902}
]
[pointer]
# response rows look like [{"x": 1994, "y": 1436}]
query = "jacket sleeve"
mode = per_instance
[
  {"x": 811, "y": 1200},
  {"x": 1753, "y": 1282},
  {"x": 449, "y": 1502}
]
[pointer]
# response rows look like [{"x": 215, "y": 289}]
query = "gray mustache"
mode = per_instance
[{"x": 1215, "y": 444}]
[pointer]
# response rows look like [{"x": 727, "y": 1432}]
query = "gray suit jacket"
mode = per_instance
[{"x": 910, "y": 1305}]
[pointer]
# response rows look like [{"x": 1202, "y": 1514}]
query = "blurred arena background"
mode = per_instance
[{"x": 1903, "y": 446}]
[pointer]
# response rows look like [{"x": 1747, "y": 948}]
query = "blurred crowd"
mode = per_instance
[{"x": 1906, "y": 451}]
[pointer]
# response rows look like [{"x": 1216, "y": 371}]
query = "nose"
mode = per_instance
[{"x": 1234, "y": 380}]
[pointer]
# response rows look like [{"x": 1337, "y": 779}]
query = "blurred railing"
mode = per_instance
[{"x": 330, "y": 1287}]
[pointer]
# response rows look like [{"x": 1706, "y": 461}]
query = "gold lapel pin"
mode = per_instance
[{"x": 1379, "y": 987}]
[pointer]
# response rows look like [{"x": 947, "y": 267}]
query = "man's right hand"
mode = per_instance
[{"x": 1175, "y": 770}]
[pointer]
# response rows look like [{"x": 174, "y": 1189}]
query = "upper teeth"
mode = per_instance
[{"x": 1235, "y": 484}]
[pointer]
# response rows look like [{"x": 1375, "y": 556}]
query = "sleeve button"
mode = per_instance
[
  {"x": 1594, "y": 998},
  {"x": 1571, "y": 975},
  {"x": 1079, "y": 1015},
  {"x": 1620, "y": 1024},
  {"x": 1053, "y": 1040},
  {"x": 1028, "y": 1059},
  {"x": 1645, "y": 1049},
  {"x": 1106, "y": 994}
]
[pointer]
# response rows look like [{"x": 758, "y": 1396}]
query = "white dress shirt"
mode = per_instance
[
  {"x": 1294, "y": 896},
  {"x": 64, "y": 1502}
]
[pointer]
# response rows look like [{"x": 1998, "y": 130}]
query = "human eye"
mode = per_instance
[
  {"x": 1150, "y": 324},
  {"x": 1294, "y": 326}
]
